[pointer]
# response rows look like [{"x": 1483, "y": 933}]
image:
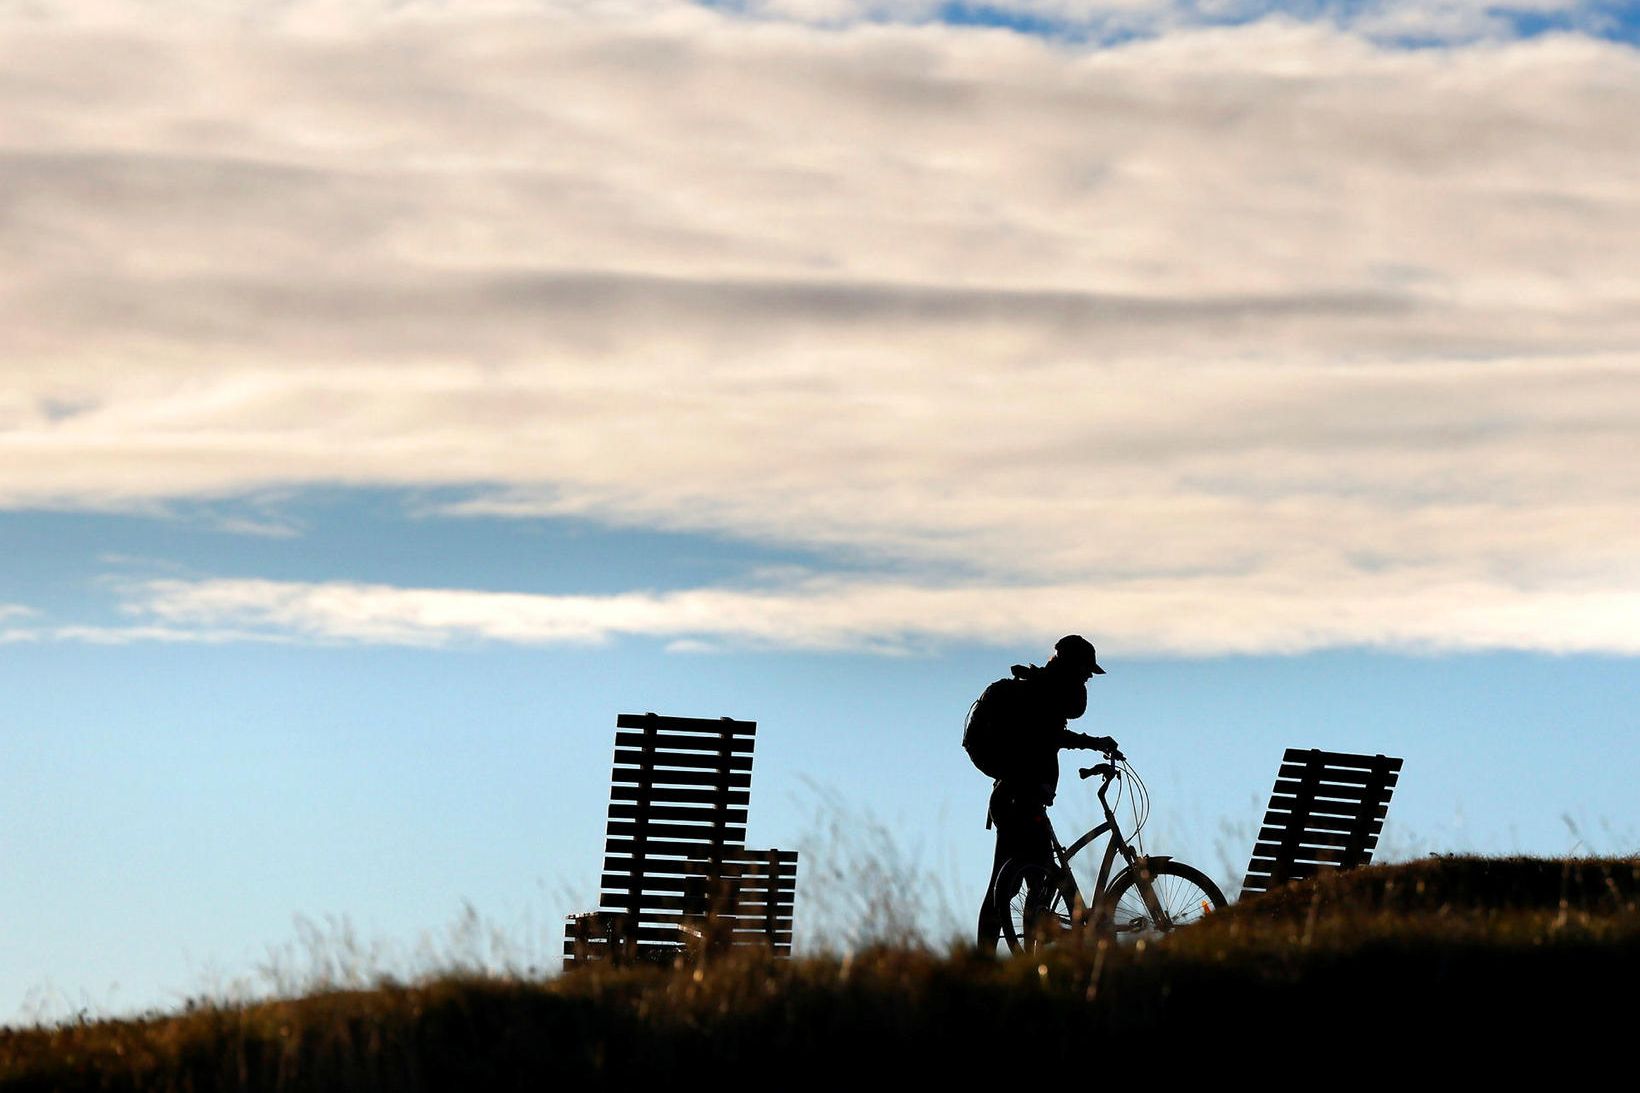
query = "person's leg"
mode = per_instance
[
  {"x": 1030, "y": 842},
  {"x": 990, "y": 923},
  {"x": 1022, "y": 835}
]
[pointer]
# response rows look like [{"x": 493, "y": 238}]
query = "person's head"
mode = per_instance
[{"x": 1073, "y": 653}]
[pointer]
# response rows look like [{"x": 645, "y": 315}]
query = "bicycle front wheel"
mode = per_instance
[
  {"x": 1152, "y": 899},
  {"x": 1032, "y": 906}
]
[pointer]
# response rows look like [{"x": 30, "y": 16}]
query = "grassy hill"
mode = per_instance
[{"x": 1464, "y": 965}]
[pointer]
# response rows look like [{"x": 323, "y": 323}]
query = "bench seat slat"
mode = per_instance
[
  {"x": 1341, "y": 759},
  {"x": 1337, "y": 775},
  {"x": 681, "y": 795},
  {"x": 636, "y": 757},
  {"x": 697, "y": 813},
  {"x": 1294, "y": 787},
  {"x": 1288, "y": 802},
  {"x": 686, "y": 724},
  {"x": 1310, "y": 837},
  {"x": 737, "y": 779}
]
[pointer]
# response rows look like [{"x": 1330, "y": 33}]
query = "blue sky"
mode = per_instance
[{"x": 449, "y": 380}]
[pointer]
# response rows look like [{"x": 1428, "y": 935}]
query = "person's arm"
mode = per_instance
[{"x": 1084, "y": 742}]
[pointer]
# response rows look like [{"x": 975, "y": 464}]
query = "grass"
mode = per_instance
[{"x": 1475, "y": 959}]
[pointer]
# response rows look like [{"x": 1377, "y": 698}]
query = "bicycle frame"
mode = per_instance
[
  {"x": 1118, "y": 845},
  {"x": 1168, "y": 889}
]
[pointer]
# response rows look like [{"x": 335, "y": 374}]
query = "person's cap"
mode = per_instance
[{"x": 1076, "y": 649}]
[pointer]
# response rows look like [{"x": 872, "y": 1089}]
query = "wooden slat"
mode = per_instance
[
  {"x": 760, "y": 921},
  {"x": 681, "y": 865},
  {"x": 668, "y": 869},
  {"x": 665, "y": 928},
  {"x": 684, "y": 866},
  {"x": 664, "y": 932},
  {"x": 1294, "y": 788},
  {"x": 659, "y": 926},
  {"x": 1340, "y": 855},
  {"x": 675, "y": 848},
  {"x": 647, "y": 952},
  {"x": 732, "y": 779},
  {"x": 633, "y": 829},
  {"x": 1298, "y": 871},
  {"x": 686, "y": 724},
  {"x": 760, "y": 910},
  {"x": 733, "y": 860},
  {"x": 740, "y": 930},
  {"x": 1341, "y": 759},
  {"x": 735, "y": 745},
  {"x": 743, "y": 924},
  {"x": 651, "y": 853},
  {"x": 635, "y": 757},
  {"x": 750, "y": 879},
  {"x": 756, "y": 887},
  {"x": 1311, "y": 837},
  {"x": 690, "y": 904},
  {"x": 1267, "y": 854},
  {"x": 763, "y": 857},
  {"x": 1336, "y": 775},
  {"x": 747, "y": 940},
  {"x": 706, "y": 814},
  {"x": 1317, "y": 823},
  {"x": 620, "y": 882},
  {"x": 1287, "y": 802},
  {"x": 676, "y": 795},
  {"x": 1328, "y": 855}
]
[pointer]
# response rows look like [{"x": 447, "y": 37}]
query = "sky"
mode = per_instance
[{"x": 397, "y": 392}]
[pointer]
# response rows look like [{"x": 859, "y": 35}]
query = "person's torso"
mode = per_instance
[{"x": 1045, "y": 705}]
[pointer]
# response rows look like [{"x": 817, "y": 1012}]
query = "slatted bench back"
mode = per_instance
[
  {"x": 1326, "y": 812},
  {"x": 676, "y": 845},
  {"x": 749, "y": 897}
]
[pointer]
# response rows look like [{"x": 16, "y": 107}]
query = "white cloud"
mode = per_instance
[
  {"x": 1251, "y": 613},
  {"x": 1265, "y": 325}
]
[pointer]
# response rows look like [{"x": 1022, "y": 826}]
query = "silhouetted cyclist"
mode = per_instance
[{"x": 1018, "y": 744}]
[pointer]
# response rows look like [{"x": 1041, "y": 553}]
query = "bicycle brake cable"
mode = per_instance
[{"x": 1139, "y": 803}]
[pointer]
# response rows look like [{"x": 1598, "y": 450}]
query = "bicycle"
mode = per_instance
[{"x": 1152, "y": 896}]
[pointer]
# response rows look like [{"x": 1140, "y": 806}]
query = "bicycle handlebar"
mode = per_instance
[{"x": 1107, "y": 771}]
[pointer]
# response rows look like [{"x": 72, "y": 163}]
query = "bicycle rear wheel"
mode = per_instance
[
  {"x": 1183, "y": 894},
  {"x": 1031, "y": 905}
]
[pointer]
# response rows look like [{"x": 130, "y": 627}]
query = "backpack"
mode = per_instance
[{"x": 991, "y": 719}]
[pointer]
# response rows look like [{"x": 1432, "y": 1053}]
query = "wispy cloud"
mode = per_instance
[
  {"x": 1267, "y": 323},
  {"x": 1418, "y": 22},
  {"x": 135, "y": 635},
  {"x": 1403, "y": 22},
  {"x": 1252, "y": 613}
]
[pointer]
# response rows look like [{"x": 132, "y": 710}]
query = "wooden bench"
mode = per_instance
[
  {"x": 677, "y": 873},
  {"x": 1326, "y": 812},
  {"x": 744, "y": 900}
]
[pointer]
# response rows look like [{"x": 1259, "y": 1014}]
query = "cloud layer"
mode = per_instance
[
  {"x": 1264, "y": 337},
  {"x": 831, "y": 614}
]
